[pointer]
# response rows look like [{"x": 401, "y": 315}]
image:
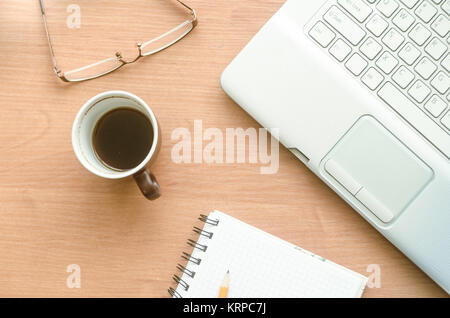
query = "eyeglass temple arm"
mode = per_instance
[
  {"x": 194, "y": 14},
  {"x": 52, "y": 53}
]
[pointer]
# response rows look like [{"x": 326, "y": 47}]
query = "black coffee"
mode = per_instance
[{"x": 123, "y": 138}]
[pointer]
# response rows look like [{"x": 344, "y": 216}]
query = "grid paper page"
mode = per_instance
[{"x": 262, "y": 265}]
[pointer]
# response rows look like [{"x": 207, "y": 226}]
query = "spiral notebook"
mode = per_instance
[{"x": 260, "y": 265}]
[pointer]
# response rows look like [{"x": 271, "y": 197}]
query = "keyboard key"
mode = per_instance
[
  {"x": 446, "y": 7},
  {"x": 446, "y": 63},
  {"x": 393, "y": 39},
  {"x": 356, "y": 64},
  {"x": 416, "y": 117},
  {"x": 441, "y": 82},
  {"x": 441, "y": 25},
  {"x": 446, "y": 120},
  {"x": 426, "y": 11},
  {"x": 410, "y": 3},
  {"x": 357, "y": 8},
  {"x": 436, "y": 48},
  {"x": 403, "y": 20},
  {"x": 372, "y": 78},
  {"x": 370, "y": 48},
  {"x": 340, "y": 50},
  {"x": 419, "y": 91},
  {"x": 344, "y": 25},
  {"x": 435, "y": 106},
  {"x": 409, "y": 54},
  {"x": 322, "y": 34},
  {"x": 425, "y": 68},
  {"x": 403, "y": 77},
  {"x": 387, "y": 62},
  {"x": 420, "y": 34},
  {"x": 377, "y": 25},
  {"x": 387, "y": 7}
]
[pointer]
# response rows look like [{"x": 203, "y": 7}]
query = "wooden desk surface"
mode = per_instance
[{"x": 54, "y": 213}]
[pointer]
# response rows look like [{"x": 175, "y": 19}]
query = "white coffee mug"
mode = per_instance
[{"x": 83, "y": 128}]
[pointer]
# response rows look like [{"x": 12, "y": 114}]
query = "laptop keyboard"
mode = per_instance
[{"x": 398, "y": 49}]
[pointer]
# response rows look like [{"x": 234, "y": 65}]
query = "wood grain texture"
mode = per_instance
[{"x": 54, "y": 213}]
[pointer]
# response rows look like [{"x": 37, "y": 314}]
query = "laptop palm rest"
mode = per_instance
[{"x": 377, "y": 169}]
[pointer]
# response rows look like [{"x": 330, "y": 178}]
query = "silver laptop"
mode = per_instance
[{"x": 360, "y": 91}]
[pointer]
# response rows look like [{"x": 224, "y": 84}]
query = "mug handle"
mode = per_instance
[{"x": 146, "y": 181}]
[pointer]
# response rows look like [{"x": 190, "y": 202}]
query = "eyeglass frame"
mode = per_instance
[{"x": 61, "y": 75}]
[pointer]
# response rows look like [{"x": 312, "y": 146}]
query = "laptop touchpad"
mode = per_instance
[{"x": 376, "y": 168}]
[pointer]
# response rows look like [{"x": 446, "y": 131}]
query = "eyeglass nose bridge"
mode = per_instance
[{"x": 120, "y": 57}]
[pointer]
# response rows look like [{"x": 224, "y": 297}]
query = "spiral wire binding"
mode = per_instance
[
  {"x": 191, "y": 258},
  {"x": 183, "y": 269},
  {"x": 188, "y": 272},
  {"x": 174, "y": 293},
  {"x": 181, "y": 282},
  {"x": 196, "y": 245},
  {"x": 207, "y": 220},
  {"x": 203, "y": 232}
]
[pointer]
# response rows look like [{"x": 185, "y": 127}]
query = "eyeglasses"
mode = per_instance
[{"x": 112, "y": 64}]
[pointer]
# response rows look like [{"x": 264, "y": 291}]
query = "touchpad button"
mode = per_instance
[{"x": 378, "y": 169}]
